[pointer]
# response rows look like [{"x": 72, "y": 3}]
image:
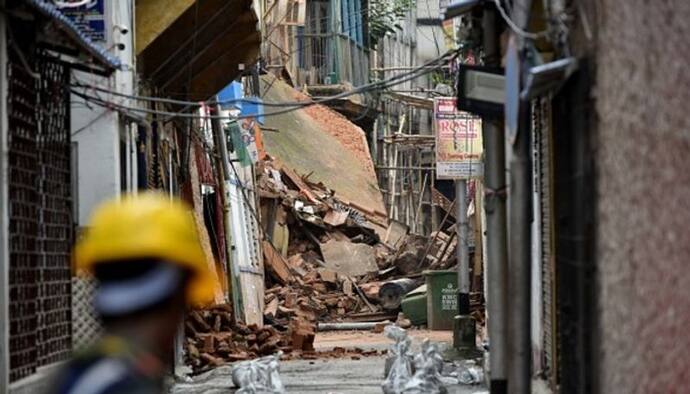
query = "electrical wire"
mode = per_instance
[
  {"x": 380, "y": 85},
  {"x": 517, "y": 29},
  {"x": 107, "y": 104},
  {"x": 81, "y": 84},
  {"x": 433, "y": 31},
  {"x": 235, "y": 118},
  {"x": 375, "y": 86},
  {"x": 180, "y": 102},
  {"x": 308, "y": 45}
]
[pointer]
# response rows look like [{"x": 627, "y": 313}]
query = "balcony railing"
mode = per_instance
[{"x": 330, "y": 59}]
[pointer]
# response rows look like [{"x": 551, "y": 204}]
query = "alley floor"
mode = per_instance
[{"x": 334, "y": 376}]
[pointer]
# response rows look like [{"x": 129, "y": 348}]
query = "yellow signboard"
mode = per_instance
[{"x": 458, "y": 141}]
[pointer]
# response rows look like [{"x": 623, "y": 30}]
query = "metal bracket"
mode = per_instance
[{"x": 251, "y": 270}]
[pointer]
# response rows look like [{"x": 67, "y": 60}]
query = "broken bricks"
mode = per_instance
[{"x": 331, "y": 267}]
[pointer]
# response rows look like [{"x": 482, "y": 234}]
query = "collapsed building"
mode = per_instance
[{"x": 328, "y": 252}]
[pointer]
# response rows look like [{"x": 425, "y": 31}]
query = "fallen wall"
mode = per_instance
[{"x": 332, "y": 150}]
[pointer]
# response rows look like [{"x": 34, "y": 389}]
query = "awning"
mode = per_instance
[
  {"x": 91, "y": 55},
  {"x": 198, "y": 52}
]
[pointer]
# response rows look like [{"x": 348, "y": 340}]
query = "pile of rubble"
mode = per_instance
[
  {"x": 325, "y": 260},
  {"x": 213, "y": 338},
  {"x": 337, "y": 256}
]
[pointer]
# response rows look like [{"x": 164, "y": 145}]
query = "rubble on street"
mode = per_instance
[{"x": 335, "y": 264}]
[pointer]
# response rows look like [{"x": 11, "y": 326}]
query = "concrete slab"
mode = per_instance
[{"x": 350, "y": 259}]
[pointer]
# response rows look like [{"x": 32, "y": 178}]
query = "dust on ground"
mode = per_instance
[{"x": 371, "y": 340}]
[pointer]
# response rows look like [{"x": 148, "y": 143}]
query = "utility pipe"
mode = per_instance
[
  {"x": 463, "y": 253},
  {"x": 496, "y": 226},
  {"x": 519, "y": 281}
]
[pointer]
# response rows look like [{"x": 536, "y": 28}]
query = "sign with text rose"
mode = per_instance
[{"x": 458, "y": 141}]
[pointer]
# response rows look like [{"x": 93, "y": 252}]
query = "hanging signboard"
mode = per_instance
[
  {"x": 89, "y": 18},
  {"x": 458, "y": 141}
]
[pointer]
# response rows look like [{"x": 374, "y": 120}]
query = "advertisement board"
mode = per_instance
[
  {"x": 89, "y": 18},
  {"x": 458, "y": 141}
]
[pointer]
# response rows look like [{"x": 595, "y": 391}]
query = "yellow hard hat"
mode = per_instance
[{"x": 149, "y": 225}]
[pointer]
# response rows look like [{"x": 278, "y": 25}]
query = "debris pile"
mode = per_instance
[
  {"x": 213, "y": 338},
  {"x": 325, "y": 261},
  {"x": 335, "y": 254}
]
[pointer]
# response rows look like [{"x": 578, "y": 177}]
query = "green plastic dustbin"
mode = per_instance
[
  {"x": 441, "y": 298},
  {"x": 414, "y": 306}
]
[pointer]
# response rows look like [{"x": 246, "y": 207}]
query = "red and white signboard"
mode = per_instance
[{"x": 458, "y": 141}]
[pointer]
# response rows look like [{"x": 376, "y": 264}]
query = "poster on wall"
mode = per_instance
[{"x": 458, "y": 141}]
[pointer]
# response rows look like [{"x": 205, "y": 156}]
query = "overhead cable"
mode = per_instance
[
  {"x": 374, "y": 86},
  {"x": 517, "y": 29}
]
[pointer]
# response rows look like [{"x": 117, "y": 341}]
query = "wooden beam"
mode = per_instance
[{"x": 210, "y": 49}]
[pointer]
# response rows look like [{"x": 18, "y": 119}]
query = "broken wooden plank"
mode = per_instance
[
  {"x": 372, "y": 316},
  {"x": 299, "y": 182},
  {"x": 276, "y": 263},
  {"x": 395, "y": 233},
  {"x": 442, "y": 201},
  {"x": 271, "y": 309}
]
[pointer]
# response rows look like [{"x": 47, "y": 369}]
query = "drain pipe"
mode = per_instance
[{"x": 496, "y": 226}]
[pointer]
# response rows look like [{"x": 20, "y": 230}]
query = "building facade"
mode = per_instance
[{"x": 40, "y": 49}]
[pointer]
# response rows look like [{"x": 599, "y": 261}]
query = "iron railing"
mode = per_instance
[
  {"x": 332, "y": 58},
  {"x": 40, "y": 213}
]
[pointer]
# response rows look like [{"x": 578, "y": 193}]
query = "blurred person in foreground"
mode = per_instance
[{"x": 146, "y": 256}]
